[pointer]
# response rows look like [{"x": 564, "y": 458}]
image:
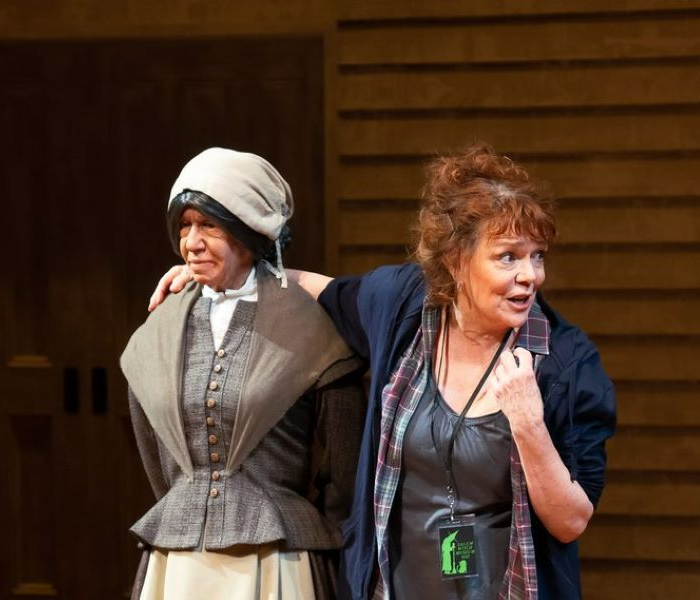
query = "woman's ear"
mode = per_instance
[
  {"x": 457, "y": 264},
  {"x": 452, "y": 261}
]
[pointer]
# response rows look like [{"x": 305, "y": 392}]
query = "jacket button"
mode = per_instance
[
  {"x": 213, "y": 385},
  {"x": 221, "y": 353},
  {"x": 211, "y": 403},
  {"x": 213, "y": 439},
  {"x": 214, "y": 493},
  {"x": 211, "y": 422},
  {"x": 214, "y": 457},
  {"x": 217, "y": 369},
  {"x": 216, "y": 475}
]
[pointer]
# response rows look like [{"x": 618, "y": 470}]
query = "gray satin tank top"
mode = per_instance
[{"x": 481, "y": 466}]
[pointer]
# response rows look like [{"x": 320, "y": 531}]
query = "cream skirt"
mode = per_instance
[{"x": 246, "y": 573}]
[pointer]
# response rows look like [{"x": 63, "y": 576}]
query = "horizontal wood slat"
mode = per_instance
[
  {"x": 355, "y": 261},
  {"x": 577, "y": 269},
  {"x": 623, "y": 177},
  {"x": 651, "y": 359},
  {"x": 646, "y": 449},
  {"x": 660, "y": 498},
  {"x": 550, "y": 134},
  {"x": 612, "y": 224},
  {"x": 527, "y": 88},
  {"x": 390, "y": 9},
  {"x": 521, "y": 42},
  {"x": 625, "y": 314},
  {"x": 656, "y": 361},
  {"x": 609, "y": 224},
  {"x": 641, "y": 404},
  {"x": 604, "y": 580},
  {"x": 376, "y": 227},
  {"x": 592, "y": 178},
  {"x": 642, "y": 538},
  {"x": 614, "y": 268}
]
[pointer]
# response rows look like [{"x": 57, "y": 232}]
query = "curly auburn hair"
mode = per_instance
[{"x": 469, "y": 194}]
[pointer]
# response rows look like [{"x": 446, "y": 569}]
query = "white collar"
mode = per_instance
[{"x": 249, "y": 288}]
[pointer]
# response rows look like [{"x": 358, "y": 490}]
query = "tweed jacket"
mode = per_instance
[{"x": 240, "y": 470}]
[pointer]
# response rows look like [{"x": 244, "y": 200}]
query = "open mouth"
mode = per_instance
[{"x": 520, "y": 301}]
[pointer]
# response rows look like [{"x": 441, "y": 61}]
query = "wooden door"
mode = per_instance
[{"x": 92, "y": 137}]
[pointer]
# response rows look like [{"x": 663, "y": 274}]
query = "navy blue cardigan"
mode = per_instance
[{"x": 378, "y": 314}]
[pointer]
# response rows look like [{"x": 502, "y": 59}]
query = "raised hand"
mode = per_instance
[{"x": 515, "y": 389}]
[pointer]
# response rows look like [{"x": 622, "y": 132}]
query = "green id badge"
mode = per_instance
[{"x": 457, "y": 547}]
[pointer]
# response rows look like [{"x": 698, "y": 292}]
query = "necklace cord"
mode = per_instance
[{"x": 451, "y": 487}]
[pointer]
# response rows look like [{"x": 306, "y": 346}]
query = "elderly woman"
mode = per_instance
[
  {"x": 483, "y": 457},
  {"x": 231, "y": 383}
]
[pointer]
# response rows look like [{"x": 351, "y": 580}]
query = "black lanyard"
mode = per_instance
[{"x": 451, "y": 488}]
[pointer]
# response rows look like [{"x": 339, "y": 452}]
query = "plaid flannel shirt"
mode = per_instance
[{"x": 400, "y": 398}]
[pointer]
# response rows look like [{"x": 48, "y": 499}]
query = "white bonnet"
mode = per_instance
[{"x": 245, "y": 184}]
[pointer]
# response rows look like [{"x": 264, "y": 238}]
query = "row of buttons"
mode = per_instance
[{"x": 211, "y": 422}]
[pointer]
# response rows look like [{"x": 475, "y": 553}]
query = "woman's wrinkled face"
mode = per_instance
[
  {"x": 498, "y": 280},
  {"x": 212, "y": 255}
]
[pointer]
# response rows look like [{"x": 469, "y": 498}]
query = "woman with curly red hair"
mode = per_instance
[{"x": 484, "y": 449}]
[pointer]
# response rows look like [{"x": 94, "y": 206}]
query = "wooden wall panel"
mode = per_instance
[
  {"x": 31, "y": 446},
  {"x": 677, "y": 449},
  {"x": 609, "y": 223},
  {"x": 355, "y": 10},
  {"x": 637, "y": 312},
  {"x": 526, "y": 87},
  {"x": 645, "y": 538},
  {"x": 89, "y": 151},
  {"x": 606, "y": 579},
  {"x": 523, "y": 41},
  {"x": 24, "y": 322},
  {"x": 622, "y": 267},
  {"x": 597, "y": 132},
  {"x": 577, "y": 268},
  {"x": 601, "y": 99},
  {"x": 86, "y": 19},
  {"x": 665, "y": 496},
  {"x": 622, "y": 177},
  {"x": 639, "y": 404}
]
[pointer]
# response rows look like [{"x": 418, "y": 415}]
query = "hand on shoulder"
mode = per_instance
[{"x": 174, "y": 281}]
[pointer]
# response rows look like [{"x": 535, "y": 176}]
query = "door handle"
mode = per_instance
[{"x": 71, "y": 391}]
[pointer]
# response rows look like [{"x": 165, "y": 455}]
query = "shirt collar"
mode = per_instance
[
  {"x": 534, "y": 335},
  {"x": 249, "y": 288}
]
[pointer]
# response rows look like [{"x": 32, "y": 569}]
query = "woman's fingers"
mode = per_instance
[
  {"x": 515, "y": 388},
  {"x": 524, "y": 358},
  {"x": 513, "y": 372},
  {"x": 173, "y": 281},
  {"x": 180, "y": 280},
  {"x": 507, "y": 361}
]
